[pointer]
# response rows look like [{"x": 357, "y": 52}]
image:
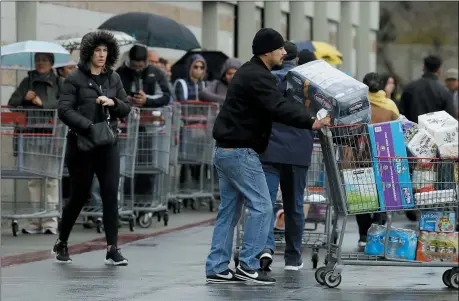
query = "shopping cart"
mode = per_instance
[
  {"x": 127, "y": 144},
  {"x": 317, "y": 205},
  {"x": 173, "y": 181},
  {"x": 353, "y": 190},
  {"x": 195, "y": 153},
  {"x": 33, "y": 148},
  {"x": 152, "y": 165}
]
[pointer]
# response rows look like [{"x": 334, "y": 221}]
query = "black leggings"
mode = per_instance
[
  {"x": 365, "y": 220},
  {"x": 105, "y": 163}
]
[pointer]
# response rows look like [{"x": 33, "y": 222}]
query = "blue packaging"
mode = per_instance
[
  {"x": 437, "y": 221},
  {"x": 402, "y": 242},
  {"x": 392, "y": 173}
]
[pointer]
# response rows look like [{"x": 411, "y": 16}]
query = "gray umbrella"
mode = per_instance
[{"x": 153, "y": 30}]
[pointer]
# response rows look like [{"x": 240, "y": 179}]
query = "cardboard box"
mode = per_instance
[
  {"x": 361, "y": 192},
  {"x": 392, "y": 170},
  {"x": 437, "y": 221}
]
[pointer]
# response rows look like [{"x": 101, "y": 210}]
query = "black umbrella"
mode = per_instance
[
  {"x": 153, "y": 30},
  {"x": 214, "y": 62}
]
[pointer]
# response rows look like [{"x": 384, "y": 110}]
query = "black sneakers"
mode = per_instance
[
  {"x": 61, "y": 251},
  {"x": 257, "y": 276},
  {"x": 266, "y": 259},
  {"x": 114, "y": 257},
  {"x": 224, "y": 277}
]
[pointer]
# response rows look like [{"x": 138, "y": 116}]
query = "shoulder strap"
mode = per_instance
[{"x": 184, "y": 86}]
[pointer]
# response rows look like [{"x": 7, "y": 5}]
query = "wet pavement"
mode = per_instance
[{"x": 171, "y": 268}]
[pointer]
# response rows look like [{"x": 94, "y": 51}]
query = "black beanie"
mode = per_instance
[
  {"x": 306, "y": 56},
  {"x": 266, "y": 40},
  {"x": 291, "y": 50},
  {"x": 138, "y": 53}
]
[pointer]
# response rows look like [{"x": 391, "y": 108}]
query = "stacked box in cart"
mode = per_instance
[
  {"x": 437, "y": 221},
  {"x": 321, "y": 86},
  {"x": 391, "y": 167},
  {"x": 442, "y": 126},
  {"x": 402, "y": 242},
  {"x": 361, "y": 193},
  {"x": 434, "y": 246}
]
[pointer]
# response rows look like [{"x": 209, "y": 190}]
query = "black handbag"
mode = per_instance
[{"x": 100, "y": 134}]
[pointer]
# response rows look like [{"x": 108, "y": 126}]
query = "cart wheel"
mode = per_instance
[
  {"x": 159, "y": 217},
  {"x": 15, "y": 228},
  {"x": 144, "y": 220},
  {"x": 99, "y": 226},
  {"x": 335, "y": 238},
  {"x": 315, "y": 260},
  {"x": 332, "y": 281},
  {"x": 211, "y": 205},
  {"x": 131, "y": 225},
  {"x": 166, "y": 219},
  {"x": 319, "y": 275},
  {"x": 446, "y": 278},
  {"x": 173, "y": 207},
  {"x": 185, "y": 203},
  {"x": 454, "y": 279}
]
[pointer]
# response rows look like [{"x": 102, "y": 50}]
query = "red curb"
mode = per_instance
[{"x": 93, "y": 245}]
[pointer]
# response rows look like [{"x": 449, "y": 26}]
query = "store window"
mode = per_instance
[{"x": 333, "y": 33}]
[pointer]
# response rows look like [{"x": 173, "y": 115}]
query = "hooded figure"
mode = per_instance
[
  {"x": 216, "y": 91},
  {"x": 189, "y": 88},
  {"x": 90, "y": 94}
]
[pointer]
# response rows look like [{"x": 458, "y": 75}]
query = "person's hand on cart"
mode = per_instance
[{"x": 320, "y": 123}]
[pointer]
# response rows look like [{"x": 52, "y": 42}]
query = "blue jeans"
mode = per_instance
[
  {"x": 241, "y": 178},
  {"x": 292, "y": 181}
]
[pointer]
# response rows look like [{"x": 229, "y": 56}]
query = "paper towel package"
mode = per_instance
[
  {"x": 435, "y": 197},
  {"x": 361, "y": 192},
  {"x": 442, "y": 126},
  {"x": 392, "y": 174},
  {"x": 319, "y": 85}
]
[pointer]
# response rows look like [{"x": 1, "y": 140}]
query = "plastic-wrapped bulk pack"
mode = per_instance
[{"x": 319, "y": 85}]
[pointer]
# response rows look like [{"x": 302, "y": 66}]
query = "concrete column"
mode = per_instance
[
  {"x": 363, "y": 40},
  {"x": 345, "y": 36},
  {"x": 273, "y": 15},
  {"x": 210, "y": 25},
  {"x": 246, "y": 29},
  {"x": 320, "y": 22},
  {"x": 297, "y": 21},
  {"x": 26, "y": 20}
]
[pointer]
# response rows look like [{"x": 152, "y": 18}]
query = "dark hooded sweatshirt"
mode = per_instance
[
  {"x": 216, "y": 90},
  {"x": 187, "y": 89}
]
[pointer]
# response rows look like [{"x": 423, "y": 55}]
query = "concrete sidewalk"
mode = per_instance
[
  {"x": 28, "y": 248},
  {"x": 171, "y": 268}
]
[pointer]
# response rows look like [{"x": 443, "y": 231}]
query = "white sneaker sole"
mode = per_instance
[
  {"x": 113, "y": 263},
  {"x": 293, "y": 267},
  {"x": 220, "y": 281}
]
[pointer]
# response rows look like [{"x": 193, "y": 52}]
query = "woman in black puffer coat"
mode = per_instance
[{"x": 86, "y": 95}]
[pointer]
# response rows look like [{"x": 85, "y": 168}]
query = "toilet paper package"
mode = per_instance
[
  {"x": 402, "y": 242},
  {"x": 319, "y": 85},
  {"x": 424, "y": 180},
  {"x": 449, "y": 151},
  {"x": 442, "y": 126},
  {"x": 434, "y": 246},
  {"x": 392, "y": 172},
  {"x": 361, "y": 192},
  {"x": 435, "y": 197},
  {"x": 419, "y": 143}
]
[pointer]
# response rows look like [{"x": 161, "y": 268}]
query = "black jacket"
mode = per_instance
[
  {"x": 425, "y": 95},
  {"x": 150, "y": 85},
  {"x": 252, "y": 103},
  {"x": 77, "y": 103}
]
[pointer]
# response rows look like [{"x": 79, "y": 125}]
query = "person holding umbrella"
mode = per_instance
[
  {"x": 90, "y": 95},
  {"x": 40, "y": 89},
  {"x": 242, "y": 130}
]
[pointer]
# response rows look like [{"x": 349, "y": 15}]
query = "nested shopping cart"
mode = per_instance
[
  {"x": 152, "y": 165},
  {"x": 127, "y": 143},
  {"x": 196, "y": 147},
  {"x": 172, "y": 180},
  {"x": 33, "y": 148},
  {"x": 350, "y": 163}
]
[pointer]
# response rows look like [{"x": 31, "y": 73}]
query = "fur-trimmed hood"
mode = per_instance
[{"x": 91, "y": 40}]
